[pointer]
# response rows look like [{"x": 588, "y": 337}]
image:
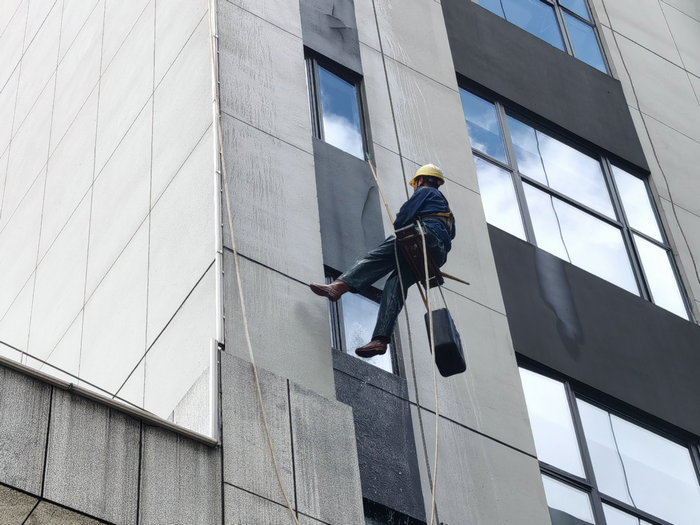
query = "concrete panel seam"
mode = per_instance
[
  {"x": 291, "y": 443},
  {"x": 126, "y": 37},
  {"x": 676, "y": 9},
  {"x": 167, "y": 324},
  {"x": 263, "y": 265},
  {"x": 265, "y": 132},
  {"x": 431, "y": 79},
  {"x": 371, "y": 385},
  {"x": 46, "y": 445},
  {"x": 475, "y": 301},
  {"x": 669, "y": 127},
  {"x": 478, "y": 432},
  {"x": 263, "y": 19},
  {"x": 680, "y": 207}
]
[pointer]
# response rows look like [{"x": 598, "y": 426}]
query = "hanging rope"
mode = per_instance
[{"x": 217, "y": 116}]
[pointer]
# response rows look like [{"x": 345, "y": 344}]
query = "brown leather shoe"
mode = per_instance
[
  {"x": 374, "y": 347},
  {"x": 332, "y": 291}
]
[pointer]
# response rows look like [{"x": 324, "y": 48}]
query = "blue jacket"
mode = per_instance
[{"x": 426, "y": 201}]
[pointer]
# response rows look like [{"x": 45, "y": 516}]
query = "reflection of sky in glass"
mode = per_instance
[
  {"x": 482, "y": 123},
  {"x": 531, "y": 15},
  {"x": 660, "y": 277},
  {"x": 498, "y": 197},
  {"x": 615, "y": 516},
  {"x": 340, "y": 113},
  {"x": 359, "y": 317},
  {"x": 580, "y": 238},
  {"x": 635, "y": 200},
  {"x": 576, "y": 6},
  {"x": 566, "y": 498},
  {"x": 550, "y": 419},
  {"x": 560, "y": 167},
  {"x": 641, "y": 468},
  {"x": 584, "y": 42}
]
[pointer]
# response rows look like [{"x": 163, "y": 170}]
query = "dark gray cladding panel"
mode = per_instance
[
  {"x": 329, "y": 28},
  {"x": 348, "y": 205},
  {"x": 535, "y": 75},
  {"x": 385, "y": 444},
  {"x": 594, "y": 332}
]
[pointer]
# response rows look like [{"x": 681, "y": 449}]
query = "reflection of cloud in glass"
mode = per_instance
[
  {"x": 584, "y": 43},
  {"x": 568, "y": 500},
  {"x": 580, "y": 238},
  {"x": 498, "y": 197},
  {"x": 660, "y": 277},
  {"x": 340, "y": 132},
  {"x": 533, "y": 16},
  {"x": 635, "y": 200},
  {"x": 359, "y": 316},
  {"x": 482, "y": 124},
  {"x": 560, "y": 167},
  {"x": 641, "y": 468}
]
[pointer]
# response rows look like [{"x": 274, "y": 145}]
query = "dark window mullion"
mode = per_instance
[
  {"x": 568, "y": 200},
  {"x": 517, "y": 182},
  {"x": 563, "y": 29},
  {"x": 585, "y": 455},
  {"x": 315, "y": 96},
  {"x": 654, "y": 520},
  {"x": 491, "y": 160}
]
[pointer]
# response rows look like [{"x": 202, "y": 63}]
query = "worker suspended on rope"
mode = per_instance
[{"x": 428, "y": 205}]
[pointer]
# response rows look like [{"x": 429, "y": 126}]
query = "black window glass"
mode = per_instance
[{"x": 340, "y": 113}]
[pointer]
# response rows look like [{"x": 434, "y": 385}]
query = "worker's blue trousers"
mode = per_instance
[{"x": 379, "y": 262}]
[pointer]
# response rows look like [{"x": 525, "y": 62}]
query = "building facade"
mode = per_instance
[{"x": 132, "y": 308}]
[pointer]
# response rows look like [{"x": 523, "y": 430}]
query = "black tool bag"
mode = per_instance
[{"x": 449, "y": 355}]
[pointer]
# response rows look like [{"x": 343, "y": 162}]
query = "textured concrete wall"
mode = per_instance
[
  {"x": 97, "y": 463},
  {"x": 653, "y": 46},
  {"x": 416, "y": 117},
  {"x": 107, "y": 192},
  {"x": 270, "y": 168}
]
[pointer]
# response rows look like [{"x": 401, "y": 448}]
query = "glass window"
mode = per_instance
[
  {"x": 566, "y": 504},
  {"x": 560, "y": 167},
  {"x": 641, "y": 468},
  {"x": 483, "y": 126},
  {"x": 615, "y": 516},
  {"x": 575, "y": 205},
  {"x": 552, "y": 428},
  {"x": 498, "y": 197},
  {"x": 580, "y": 238},
  {"x": 541, "y": 18},
  {"x": 636, "y": 203},
  {"x": 357, "y": 315},
  {"x": 634, "y": 474},
  {"x": 659, "y": 273},
  {"x": 335, "y": 103},
  {"x": 584, "y": 43}
]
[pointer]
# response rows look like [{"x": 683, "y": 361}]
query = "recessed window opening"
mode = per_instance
[
  {"x": 336, "y": 109},
  {"x": 600, "y": 467},
  {"x": 564, "y": 24},
  {"x": 352, "y": 320},
  {"x": 575, "y": 204}
]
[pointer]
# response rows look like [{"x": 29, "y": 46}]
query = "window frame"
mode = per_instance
[
  {"x": 589, "y": 484},
  {"x": 503, "y": 111},
  {"x": 312, "y": 61},
  {"x": 559, "y": 11},
  {"x": 335, "y": 314}
]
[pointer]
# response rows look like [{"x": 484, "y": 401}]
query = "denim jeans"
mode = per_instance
[{"x": 379, "y": 262}]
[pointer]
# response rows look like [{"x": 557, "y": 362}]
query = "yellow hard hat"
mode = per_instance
[{"x": 428, "y": 170}]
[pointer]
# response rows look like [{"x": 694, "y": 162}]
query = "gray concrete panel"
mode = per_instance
[
  {"x": 15, "y": 506},
  {"x": 244, "y": 508},
  {"x": 329, "y": 28},
  {"x": 247, "y": 459},
  {"x": 480, "y": 480},
  {"x": 288, "y": 324},
  {"x": 263, "y": 80},
  {"x": 92, "y": 459},
  {"x": 282, "y": 13},
  {"x": 325, "y": 458},
  {"x": 47, "y": 513},
  {"x": 275, "y": 220},
  {"x": 24, "y": 418},
  {"x": 349, "y": 206},
  {"x": 487, "y": 397},
  {"x": 180, "y": 480},
  {"x": 376, "y": 99}
]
